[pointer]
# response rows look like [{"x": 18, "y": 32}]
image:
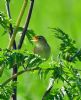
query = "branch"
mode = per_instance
[
  {"x": 66, "y": 81},
  {"x": 12, "y": 36},
  {"x": 11, "y": 28},
  {"x": 14, "y": 96},
  {"x": 17, "y": 24},
  {"x": 23, "y": 71},
  {"x": 8, "y": 9},
  {"x": 19, "y": 73},
  {"x": 26, "y": 25},
  {"x": 75, "y": 55},
  {"x": 50, "y": 86}
]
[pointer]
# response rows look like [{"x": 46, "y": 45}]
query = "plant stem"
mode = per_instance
[
  {"x": 23, "y": 71},
  {"x": 14, "y": 96},
  {"x": 75, "y": 55},
  {"x": 50, "y": 86},
  {"x": 12, "y": 42},
  {"x": 26, "y": 25},
  {"x": 17, "y": 24},
  {"x": 17, "y": 74},
  {"x": 11, "y": 28}
]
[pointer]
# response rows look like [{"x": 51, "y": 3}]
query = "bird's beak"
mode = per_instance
[{"x": 35, "y": 39}]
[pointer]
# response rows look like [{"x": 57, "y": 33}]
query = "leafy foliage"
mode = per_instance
[
  {"x": 63, "y": 70},
  {"x": 5, "y": 92},
  {"x": 66, "y": 76},
  {"x": 4, "y": 22},
  {"x": 30, "y": 34},
  {"x": 22, "y": 59}
]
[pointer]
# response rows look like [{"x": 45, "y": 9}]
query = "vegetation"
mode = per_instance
[{"x": 60, "y": 74}]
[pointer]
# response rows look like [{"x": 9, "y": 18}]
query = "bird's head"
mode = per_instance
[{"x": 39, "y": 40}]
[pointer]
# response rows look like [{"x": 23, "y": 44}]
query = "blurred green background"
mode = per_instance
[{"x": 65, "y": 14}]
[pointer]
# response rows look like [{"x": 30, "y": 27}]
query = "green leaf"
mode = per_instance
[
  {"x": 30, "y": 34},
  {"x": 4, "y": 22}
]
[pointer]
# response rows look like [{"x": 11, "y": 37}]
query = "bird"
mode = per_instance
[{"x": 41, "y": 47}]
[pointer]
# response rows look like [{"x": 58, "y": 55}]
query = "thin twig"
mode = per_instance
[
  {"x": 14, "y": 96},
  {"x": 17, "y": 74},
  {"x": 11, "y": 28},
  {"x": 26, "y": 25},
  {"x": 50, "y": 86},
  {"x": 75, "y": 55},
  {"x": 17, "y": 24},
  {"x": 66, "y": 81},
  {"x": 23, "y": 71}
]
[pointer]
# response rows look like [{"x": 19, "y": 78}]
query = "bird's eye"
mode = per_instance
[{"x": 40, "y": 37}]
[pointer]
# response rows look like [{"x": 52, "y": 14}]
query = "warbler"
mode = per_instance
[{"x": 41, "y": 47}]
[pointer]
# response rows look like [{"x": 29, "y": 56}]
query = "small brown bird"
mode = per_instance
[{"x": 41, "y": 48}]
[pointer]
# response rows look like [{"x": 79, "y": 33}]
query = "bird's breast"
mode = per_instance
[{"x": 42, "y": 50}]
